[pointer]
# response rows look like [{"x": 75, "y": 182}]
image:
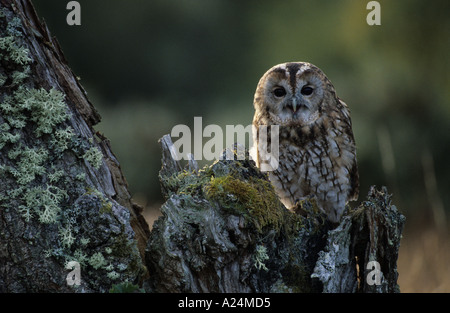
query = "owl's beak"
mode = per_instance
[{"x": 293, "y": 106}]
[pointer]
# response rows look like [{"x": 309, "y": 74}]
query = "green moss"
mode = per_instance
[
  {"x": 237, "y": 187},
  {"x": 187, "y": 183},
  {"x": 254, "y": 198}
]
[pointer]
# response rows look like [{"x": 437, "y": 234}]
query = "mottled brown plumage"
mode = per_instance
[{"x": 317, "y": 154}]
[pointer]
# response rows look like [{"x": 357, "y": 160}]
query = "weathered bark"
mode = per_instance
[
  {"x": 224, "y": 230},
  {"x": 63, "y": 196}
]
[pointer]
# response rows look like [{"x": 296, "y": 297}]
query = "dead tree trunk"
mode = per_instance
[
  {"x": 223, "y": 229},
  {"x": 63, "y": 197}
]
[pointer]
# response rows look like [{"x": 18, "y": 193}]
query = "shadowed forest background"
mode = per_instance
[{"x": 150, "y": 65}]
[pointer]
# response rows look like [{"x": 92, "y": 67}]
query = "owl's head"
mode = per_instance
[{"x": 293, "y": 94}]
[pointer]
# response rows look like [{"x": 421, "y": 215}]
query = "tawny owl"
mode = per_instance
[{"x": 316, "y": 148}]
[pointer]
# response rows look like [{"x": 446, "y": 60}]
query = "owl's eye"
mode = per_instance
[
  {"x": 306, "y": 91},
  {"x": 279, "y": 92}
]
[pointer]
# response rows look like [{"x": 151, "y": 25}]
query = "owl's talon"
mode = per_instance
[
  {"x": 304, "y": 205},
  {"x": 298, "y": 208}
]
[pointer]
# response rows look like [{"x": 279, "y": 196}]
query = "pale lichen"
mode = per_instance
[
  {"x": 113, "y": 275},
  {"x": 15, "y": 52},
  {"x": 66, "y": 236},
  {"x": 260, "y": 257},
  {"x": 45, "y": 202},
  {"x": 43, "y": 171},
  {"x": 62, "y": 138},
  {"x": 31, "y": 163},
  {"x": 97, "y": 260},
  {"x": 94, "y": 157}
]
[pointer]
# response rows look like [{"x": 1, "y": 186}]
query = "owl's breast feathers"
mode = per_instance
[{"x": 329, "y": 138}]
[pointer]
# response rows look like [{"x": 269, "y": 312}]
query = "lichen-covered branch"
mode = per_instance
[{"x": 223, "y": 229}]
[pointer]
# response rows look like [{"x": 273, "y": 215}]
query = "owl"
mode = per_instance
[{"x": 316, "y": 154}]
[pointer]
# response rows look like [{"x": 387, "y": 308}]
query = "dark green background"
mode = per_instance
[{"x": 149, "y": 65}]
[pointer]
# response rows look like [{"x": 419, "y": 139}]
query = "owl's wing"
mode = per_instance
[
  {"x": 353, "y": 171},
  {"x": 354, "y": 183},
  {"x": 345, "y": 111}
]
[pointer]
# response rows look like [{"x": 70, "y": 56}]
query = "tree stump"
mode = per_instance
[{"x": 224, "y": 229}]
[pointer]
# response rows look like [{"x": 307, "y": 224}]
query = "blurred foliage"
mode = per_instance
[{"x": 149, "y": 65}]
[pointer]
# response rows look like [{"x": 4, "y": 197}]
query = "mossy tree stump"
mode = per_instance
[
  {"x": 224, "y": 230},
  {"x": 63, "y": 196}
]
